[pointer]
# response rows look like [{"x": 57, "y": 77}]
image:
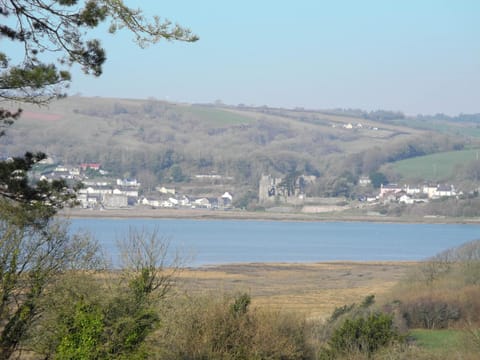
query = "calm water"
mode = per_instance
[{"x": 228, "y": 241}]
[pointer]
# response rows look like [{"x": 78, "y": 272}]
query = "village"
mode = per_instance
[
  {"x": 292, "y": 192},
  {"x": 101, "y": 191},
  {"x": 108, "y": 193}
]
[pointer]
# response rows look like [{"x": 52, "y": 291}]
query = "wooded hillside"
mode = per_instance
[{"x": 170, "y": 142}]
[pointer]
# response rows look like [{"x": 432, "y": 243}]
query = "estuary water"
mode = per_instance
[{"x": 205, "y": 242}]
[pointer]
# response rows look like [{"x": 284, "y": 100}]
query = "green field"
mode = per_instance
[
  {"x": 217, "y": 117},
  {"x": 446, "y": 127},
  {"x": 435, "y": 167},
  {"x": 437, "y": 339}
]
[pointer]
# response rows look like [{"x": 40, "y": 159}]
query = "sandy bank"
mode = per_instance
[{"x": 198, "y": 214}]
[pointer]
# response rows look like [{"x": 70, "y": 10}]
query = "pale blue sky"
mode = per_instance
[{"x": 417, "y": 56}]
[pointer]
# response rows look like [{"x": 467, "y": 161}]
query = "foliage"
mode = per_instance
[
  {"x": 61, "y": 28},
  {"x": 106, "y": 315},
  {"x": 361, "y": 335},
  {"x": 209, "y": 327},
  {"x": 442, "y": 292},
  {"x": 246, "y": 200},
  {"x": 40, "y": 200},
  {"x": 428, "y": 313},
  {"x": 439, "y": 166},
  {"x": 82, "y": 331},
  {"x": 36, "y": 251},
  {"x": 31, "y": 258},
  {"x": 289, "y": 182},
  {"x": 177, "y": 174},
  {"x": 377, "y": 179},
  {"x": 340, "y": 311}
]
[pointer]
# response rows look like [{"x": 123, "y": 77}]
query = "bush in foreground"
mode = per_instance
[
  {"x": 363, "y": 336},
  {"x": 204, "y": 327}
]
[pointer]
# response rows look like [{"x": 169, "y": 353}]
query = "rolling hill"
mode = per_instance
[{"x": 172, "y": 142}]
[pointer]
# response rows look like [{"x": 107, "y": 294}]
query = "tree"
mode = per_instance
[
  {"x": 177, "y": 174},
  {"x": 289, "y": 182},
  {"x": 60, "y": 28},
  {"x": 377, "y": 179},
  {"x": 34, "y": 250},
  {"x": 40, "y": 200},
  {"x": 147, "y": 179},
  {"x": 362, "y": 335},
  {"x": 31, "y": 259},
  {"x": 112, "y": 319},
  {"x": 43, "y": 28}
]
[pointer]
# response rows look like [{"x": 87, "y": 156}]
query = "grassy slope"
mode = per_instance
[
  {"x": 435, "y": 167},
  {"x": 447, "y": 127},
  {"x": 437, "y": 340},
  {"x": 202, "y": 117},
  {"x": 92, "y": 129}
]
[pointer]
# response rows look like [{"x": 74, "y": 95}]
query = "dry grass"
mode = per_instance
[{"x": 311, "y": 289}]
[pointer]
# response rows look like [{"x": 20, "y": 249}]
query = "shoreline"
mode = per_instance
[{"x": 199, "y": 214}]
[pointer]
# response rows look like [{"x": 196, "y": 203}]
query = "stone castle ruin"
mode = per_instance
[{"x": 290, "y": 189}]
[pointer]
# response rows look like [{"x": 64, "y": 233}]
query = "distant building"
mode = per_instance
[
  {"x": 445, "y": 191},
  {"x": 128, "y": 182},
  {"x": 267, "y": 189},
  {"x": 115, "y": 201},
  {"x": 225, "y": 201},
  {"x": 429, "y": 190},
  {"x": 93, "y": 166},
  {"x": 164, "y": 190},
  {"x": 389, "y": 189},
  {"x": 364, "y": 181}
]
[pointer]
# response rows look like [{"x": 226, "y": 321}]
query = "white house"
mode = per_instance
[
  {"x": 413, "y": 190},
  {"x": 184, "y": 201},
  {"x": 164, "y": 190},
  {"x": 364, "y": 181},
  {"x": 227, "y": 195},
  {"x": 128, "y": 182},
  {"x": 150, "y": 202},
  {"x": 166, "y": 204},
  {"x": 225, "y": 201},
  {"x": 429, "y": 190},
  {"x": 389, "y": 189},
  {"x": 203, "y": 203},
  {"x": 445, "y": 191},
  {"x": 405, "y": 199}
]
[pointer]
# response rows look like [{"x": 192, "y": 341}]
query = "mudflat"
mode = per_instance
[
  {"x": 202, "y": 214},
  {"x": 313, "y": 289}
]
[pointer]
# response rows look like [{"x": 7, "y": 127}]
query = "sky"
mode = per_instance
[{"x": 415, "y": 56}]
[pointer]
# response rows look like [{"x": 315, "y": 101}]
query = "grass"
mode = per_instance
[
  {"x": 437, "y": 340},
  {"x": 313, "y": 290},
  {"x": 446, "y": 127},
  {"x": 215, "y": 117},
  {"x": 435, "y": 167}
]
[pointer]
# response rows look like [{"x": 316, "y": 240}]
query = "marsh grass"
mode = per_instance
[{"x": 313, "y": 290}]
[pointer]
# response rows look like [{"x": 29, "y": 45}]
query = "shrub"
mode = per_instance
[
  {"x": 228, "y": 328},
  {"x": 364, "y": 335},
  {"x": 430, "y": 313}
]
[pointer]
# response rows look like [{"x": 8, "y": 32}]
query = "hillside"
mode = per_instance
[
  {"x": 438, "y": 167},
  {"x": 165, "y": 142}
]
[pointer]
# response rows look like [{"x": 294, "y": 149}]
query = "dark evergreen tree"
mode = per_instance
[
  {"x": 34, "y": 250},
  {"x": 43, "y": 28}
]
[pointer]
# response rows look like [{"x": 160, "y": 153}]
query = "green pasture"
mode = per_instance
[
  {"x": 434, "y": 167},
  {"x": 446, "y": 127},
  {"x": 216, "y": 117},
  {"x": 437, "y": 339}
]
